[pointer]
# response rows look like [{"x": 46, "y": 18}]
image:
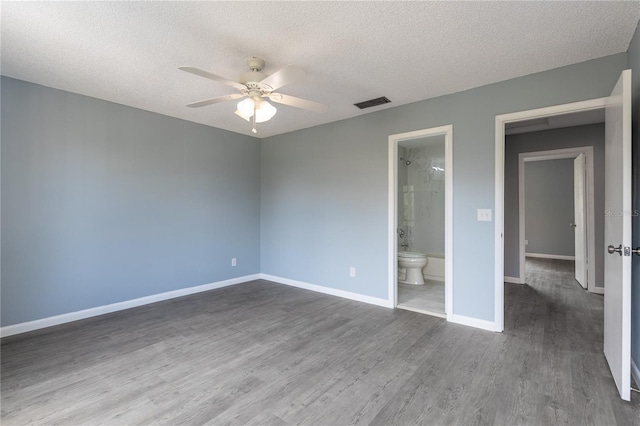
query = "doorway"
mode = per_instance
[
  {"x": 581, "y": 227},
  {"x": 617, "y": 213},
  {"x": 501, "y": 122},
  {"x": 417, "y": 153}
]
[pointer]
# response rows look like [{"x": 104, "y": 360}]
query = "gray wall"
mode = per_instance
[
  {"x": 324, "y": 189},
  {"x": 634, "y": 64},
  {"x": 103, "y": 203},
  {"x": 570, "y": 137},
  {"x": 548, "y": 188}
]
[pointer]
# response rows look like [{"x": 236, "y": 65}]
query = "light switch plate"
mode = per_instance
[{"x": 484, "y": 215}]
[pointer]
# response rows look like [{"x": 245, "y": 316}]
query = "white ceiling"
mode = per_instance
[{"x": 129, "y": 52}]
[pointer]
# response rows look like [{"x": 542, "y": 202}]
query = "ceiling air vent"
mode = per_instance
[{"x": 373, "y": 102}]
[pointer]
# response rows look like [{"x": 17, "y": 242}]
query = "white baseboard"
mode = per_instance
[
  {"x": 597, "y": 290},
  {"x": 119, "y": 306},
  {"x": 473, "y": 322},
  {"x": 635, "y": 372},
  {"x": 328, "y": 290},
  {"x": 434, "y": 277},
  {"x": 550, "y": 256},
  {"x": 422, "y": 311},
  {"x": 512, "y": 280},
  {"x": 459, "y": 319}
]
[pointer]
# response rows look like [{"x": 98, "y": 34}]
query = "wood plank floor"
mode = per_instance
[{"x": 266, "y": 354}]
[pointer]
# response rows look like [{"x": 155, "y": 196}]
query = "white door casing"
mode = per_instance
[
  {"x": 500, "y": 121},
  {"x": 617, "y": 265},
  {"x": 579, "y": 222},
  {"x": 589, "y": 212},
  {"x": 392, "y": 227}
]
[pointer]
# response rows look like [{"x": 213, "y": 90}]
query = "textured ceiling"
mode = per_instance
[{"x": 129, "y": 52}]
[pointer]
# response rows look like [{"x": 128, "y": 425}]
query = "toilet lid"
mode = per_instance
[{"x": 411, "y": 254}]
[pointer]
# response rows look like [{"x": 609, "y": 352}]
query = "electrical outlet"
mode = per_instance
[
  {"x": 233, "y": 261},
  {"x": 352, "y": 272},
  {"x": 484, "y": 215}
]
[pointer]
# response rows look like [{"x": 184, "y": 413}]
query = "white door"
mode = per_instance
[
  {"x": 579, "y": 224},
  {"x": 617, "y": 233}
]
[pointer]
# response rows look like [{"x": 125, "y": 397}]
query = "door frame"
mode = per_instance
[
  {"x": 500, "y": 122},
  {"x": 556, "y": 154},
  {"x": 392, "y": 234}
]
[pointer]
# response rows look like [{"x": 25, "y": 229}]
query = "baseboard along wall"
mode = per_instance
[
  {"x": 328, "y": 290},
  {"x": 119, "y": 306},
  {"x": 550, "y": 256},
  {"x": 474, "y": 322}
]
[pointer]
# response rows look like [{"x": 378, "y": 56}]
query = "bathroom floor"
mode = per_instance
[{"x": 427, "y": 298}]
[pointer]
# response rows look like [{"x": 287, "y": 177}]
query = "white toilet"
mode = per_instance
[{"x": 413, "y": 262}]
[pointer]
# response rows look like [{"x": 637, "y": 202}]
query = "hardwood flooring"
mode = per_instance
[{"x": 261, "y": 353}]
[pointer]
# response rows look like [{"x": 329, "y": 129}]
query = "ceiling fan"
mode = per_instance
[{"x": 256, "y": 86}]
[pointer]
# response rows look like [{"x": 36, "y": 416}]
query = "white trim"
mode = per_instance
[
  {"x": 556, "y": 154},
  {"x": 434, "y": 277},
  {"x": 328, "y": 290},
  {"x": 474, "y": 322},
  {"x": 501, "y": 120},
  {"x": 513, "y": 280},
  {"x": 498, "y": 248},
  {"x": 597, "y": 290},
  {"x": 635, "y": 372},
  {"x": 448, "y": 225},
  {"x": 392, "y": 224},
  {"x": 422, "y": 311},
  {"x": 522, "y": 237},
  {"x": 24, "y": 327},
  {"x": 550, "y": 256}
]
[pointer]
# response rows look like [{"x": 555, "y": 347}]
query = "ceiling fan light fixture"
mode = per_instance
[
  {"x": 245, "y": 108},
  {"x": 264, "y": 111}
]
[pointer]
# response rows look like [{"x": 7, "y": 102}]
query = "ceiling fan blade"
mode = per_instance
[
  {"x": 285, "y": 75},
  {"x": 215, "y": 100},
  {"x": 297, "y": 102},
  {"x": 207, "y": 74}
]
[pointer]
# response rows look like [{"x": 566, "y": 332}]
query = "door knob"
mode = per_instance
[
  {"x": 611, "y": 249},
  {"x": 573, "y": 225},
  {"x": 636, "y": 251}
]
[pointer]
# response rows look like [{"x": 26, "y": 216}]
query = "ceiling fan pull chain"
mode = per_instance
[{"x": 254, "y": 118}]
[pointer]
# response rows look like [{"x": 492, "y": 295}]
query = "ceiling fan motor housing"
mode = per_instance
[
  {"x": 255, "y": 64},
  {"x": 251, "y": 79}
]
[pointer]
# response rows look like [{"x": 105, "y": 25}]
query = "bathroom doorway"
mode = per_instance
[{"x": 420, "y": 221}]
